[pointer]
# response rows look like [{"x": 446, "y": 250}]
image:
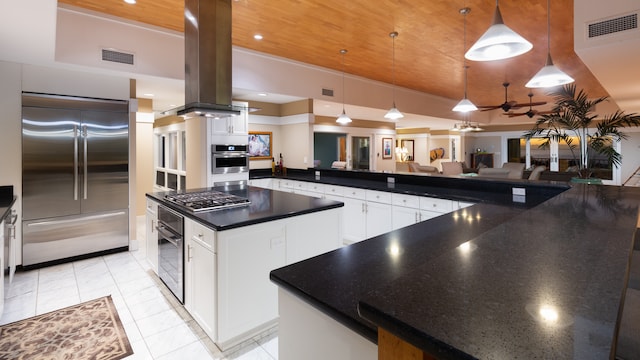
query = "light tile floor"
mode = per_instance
[{"x": 157, "y": 325}]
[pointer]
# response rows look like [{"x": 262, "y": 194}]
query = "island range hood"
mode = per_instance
[{"x": 207, "y": 35}]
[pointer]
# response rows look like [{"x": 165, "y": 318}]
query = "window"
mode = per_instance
[{"x": 170, "y": 157}]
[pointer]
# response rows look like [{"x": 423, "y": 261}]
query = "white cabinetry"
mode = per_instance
[
  {"x": 378, "y": 212},
  {"x": 248, "y": 300},
  {"x": 235, "y": 125},
  {"x": 432, "y": 207},
  {"x": 266, "y": 183},
  {"x": 151, "y": 242},
  {"x": 355, "y": 219},
  {"x": 200, "y": 275},
  {"x": 406, "y": 210}
]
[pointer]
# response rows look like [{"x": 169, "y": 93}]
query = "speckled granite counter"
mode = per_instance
[
  {"x": 566, "y": 257},
  {"x": 265, "y": 205}
]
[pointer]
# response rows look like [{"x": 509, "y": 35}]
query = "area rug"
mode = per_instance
[{"x": 91, "y": 330}]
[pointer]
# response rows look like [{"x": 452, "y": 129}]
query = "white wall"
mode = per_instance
[
  {"x": 144, "y": 161},
  {"x": 11, "y": 136}
]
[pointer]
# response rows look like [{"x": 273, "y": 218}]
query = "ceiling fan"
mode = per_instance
[
  {"x": 508, "y": 105},
  {"x": 532, "y": 112}
]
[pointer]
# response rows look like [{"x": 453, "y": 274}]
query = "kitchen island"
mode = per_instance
[
  {"x": 496, "y": 280},
  {"x": 229, "y": 252}
]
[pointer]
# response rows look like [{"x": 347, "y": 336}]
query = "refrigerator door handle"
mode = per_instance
[
  {"x": 84, "y": 161},
  {"x": 75, "y": 162},
  {"x": 86, "y": 218}
]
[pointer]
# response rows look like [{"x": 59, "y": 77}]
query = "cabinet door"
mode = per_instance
[
  {"x": 200, "y": 275},
  {"x": 220, "y": 126},
  {"x": 151, "y": 241},
  {"x": 246, "y": 296},
  {"x": 239, "y": 124},
  {"x": 378, "y": 218},
  {"x": 404, "y": 216},
  {"x": 201, "y": 265},
  {"x": 355, "y": 220}
]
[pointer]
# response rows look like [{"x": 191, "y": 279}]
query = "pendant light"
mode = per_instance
[
  {"x": 498, "y": 42},
  {"x": 343, "y": 118},
  {"x": 549, "y": 75},
  {"x": 393, "y": 113},
  {"x": 465, "y": 105}
]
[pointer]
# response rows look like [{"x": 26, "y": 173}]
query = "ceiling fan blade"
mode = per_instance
[
  {"x": 508, "y": 105},
  {"x": 488, "y": 107}
]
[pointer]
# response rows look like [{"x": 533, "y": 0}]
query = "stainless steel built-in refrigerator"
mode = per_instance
[{"x": 74, "y": 176}]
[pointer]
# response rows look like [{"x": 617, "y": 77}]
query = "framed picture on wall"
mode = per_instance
[
  {"x": 260, "y": 147},
  {"x": 387, "y": 148}
]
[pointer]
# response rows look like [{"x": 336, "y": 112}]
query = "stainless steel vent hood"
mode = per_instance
[{"x": 207, "y": 35}]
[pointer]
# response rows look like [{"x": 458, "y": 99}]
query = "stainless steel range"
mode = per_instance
[{"x": 207, "y": 200}]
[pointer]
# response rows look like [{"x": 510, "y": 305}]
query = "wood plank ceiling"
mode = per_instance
[{"x": 428, "y": 51}]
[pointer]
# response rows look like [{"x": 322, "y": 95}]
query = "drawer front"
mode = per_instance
[
  {"x": 354, "y": 193},
  {"x": 335, "y": 190},
  {"x": 204, "y": 235},
  {"x": 152, "y": 206},
  {"x": 437, "y": 205},
  {"x": 378, "y": 196},
  {"x": 317, "y": 188},
  {"x": 405, "y": 200}
]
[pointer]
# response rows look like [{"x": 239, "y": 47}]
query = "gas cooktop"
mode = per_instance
[{"x": 206, "y": 200}]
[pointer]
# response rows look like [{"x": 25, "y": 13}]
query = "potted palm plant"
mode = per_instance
[{"x": 572, "y": 118}]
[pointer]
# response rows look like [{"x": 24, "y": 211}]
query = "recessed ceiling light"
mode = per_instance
[
  {"x": 257, "y": 37},
  {"x": 148, "y": 94},
  {"x": 262, "y": 94},
  {"x": 130, "y": 1}
]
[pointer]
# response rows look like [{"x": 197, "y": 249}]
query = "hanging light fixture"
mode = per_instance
[
  {"x": 465, "y": 105},
  {"x": 393, "y": 113},
  {"x": 343, "y": 118},
  {"x": 549, "y": 75},
  {"x": 498, "y": 42}
]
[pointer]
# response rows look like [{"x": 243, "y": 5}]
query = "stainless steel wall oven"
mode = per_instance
[
  {"x": 171, "y": 250},
  {"x": 227, "y": 159}
]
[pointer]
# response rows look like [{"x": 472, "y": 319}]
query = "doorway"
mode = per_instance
[{"x": 360, "y": 149}]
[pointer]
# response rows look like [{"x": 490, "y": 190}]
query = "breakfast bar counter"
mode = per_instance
[{"x": 491, "y": 281}]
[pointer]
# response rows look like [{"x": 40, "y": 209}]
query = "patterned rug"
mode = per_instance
[{"x": 91, "y": 330}]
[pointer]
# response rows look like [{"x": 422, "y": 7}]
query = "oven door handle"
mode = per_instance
[{"x": 168, "y": 235}]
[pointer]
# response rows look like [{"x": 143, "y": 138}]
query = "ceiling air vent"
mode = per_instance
[
  {"x": 117, "y": 56},
  {"x": 327, "y": 92},
  {"x": 622, "y": 23}
]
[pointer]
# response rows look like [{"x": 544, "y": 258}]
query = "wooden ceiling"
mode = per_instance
[{"x": 428, "y": 50}]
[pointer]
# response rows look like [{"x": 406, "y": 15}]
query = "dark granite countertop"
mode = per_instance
[
  {"x": 569, "y": 253},
  {"x": 460, "y": 188},
  {"x": 265, "y": 205},
  {"x": 5, "y": 207}
]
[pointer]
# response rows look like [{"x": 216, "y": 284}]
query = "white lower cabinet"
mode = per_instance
[
  {"x": 200, "y": 275},
  {"x": 247, "y": 299},
  {"x": 378, "y": 212},
  {"x": 151, "y": 242},
  {"x": 266, "y": 183},
  {"x": 227, "y": 286}
]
